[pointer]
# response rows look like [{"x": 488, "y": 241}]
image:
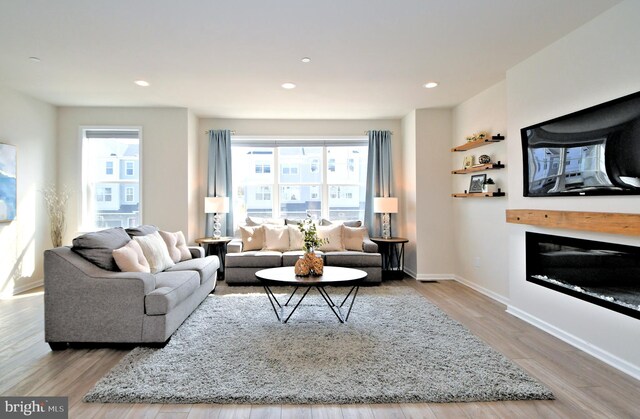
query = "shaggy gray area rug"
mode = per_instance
[{"x": 396, "y": 347}]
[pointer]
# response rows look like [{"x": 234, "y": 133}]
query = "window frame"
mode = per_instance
[
  {"x": 324, "y": 142},
  {"x": 83, "y": 222}
]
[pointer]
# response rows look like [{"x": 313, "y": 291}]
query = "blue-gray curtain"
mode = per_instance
[
  {"x": 219, "y": 177},
  {"x": 378, "y": 177}
]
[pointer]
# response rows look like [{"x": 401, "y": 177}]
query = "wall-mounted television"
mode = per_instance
[{"x": 595, "y": 151}]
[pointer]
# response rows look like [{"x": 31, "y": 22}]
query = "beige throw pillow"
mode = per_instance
[
  {"x": 176, "y": 245},
  {"x": 296, "y": 237},
  {"x": 353, "y": 237},
  {"x": 334, "y": 234},
  {"x": 257, "y": 221},
  {"x": 252, "y": 238},
  {"x": 130, "y": 258},
  {"x": 155, "y": 251},
  {"x": 276, "y": 238}
]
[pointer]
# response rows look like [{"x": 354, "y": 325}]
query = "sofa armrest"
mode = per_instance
[
  {"x": 234, "y": 246},
  {"x": 84, "y": 303},
  {"x": 196, "y": 251},
  {"x": 368, "y": 246}
]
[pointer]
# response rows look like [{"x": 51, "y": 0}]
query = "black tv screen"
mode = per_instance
[{"x": 595, "y": 151}]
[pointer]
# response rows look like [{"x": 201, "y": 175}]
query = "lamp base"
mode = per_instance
[
  {"x": 386, "y": 226},
  {"x": 216, "y": 226}
]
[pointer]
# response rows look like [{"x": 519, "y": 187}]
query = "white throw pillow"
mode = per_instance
[
  {"x": 276, "y": 238},
  {"x": 130, "y": 258},
  {"x": 155, "y": 251},
  {"x": 353, "y": 237},
  {"x": 334, "y": 234},
  {"x": 176, "y": 245},
  {"x": 296, "y": 237},
  {"x": 257, "y": 221},
  {"x": 252, "y": 238}
]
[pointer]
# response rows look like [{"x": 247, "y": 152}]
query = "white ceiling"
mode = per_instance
[{"x": 229, "y": 58}]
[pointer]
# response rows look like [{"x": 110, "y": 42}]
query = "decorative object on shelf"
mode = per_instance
[
  {"x": 484, "y": 159},
  {"x": 56, "y": 202},
  {"x": 489, "y": 186},
  {"x": 482, "y": 135},
  {"x": 467, "y": 162},
  {"x": 216, "y": 205},
  {"x": 477, "y": 182},
  {"x": 385, "y": 206},
  {"x": 8, "y": 177},
  {"x": 497, "y": 137}
]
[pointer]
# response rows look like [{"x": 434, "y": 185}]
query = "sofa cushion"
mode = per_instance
[
  {"x": 176, "y": 245},
  {"x": 252, "y": 237},
  {"x": 172, "y": 288},
  {"x": 291, "y": 257},
  {"x": 353, "y": 237},
  {"x": 253, "y": 259},
  {"x": 348, "y": 223},
  {"x": 205, "y": 267},
  {"x": 257, "y": 221},
  {"x": 276, "y": 238},
  {"x": 333, "y": 235},
  {"x": 97, "y": 247},
  {"x": 155, "y": 251},
  {"x": 142, "y": 230},
  {"x": 351, "y": 259},
  {"x": 130, "y": 258}
]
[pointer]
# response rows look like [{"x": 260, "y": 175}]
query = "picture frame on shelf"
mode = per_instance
[
  {"x": 477, "y": 182},
  {"x": 467, "y": 162}
]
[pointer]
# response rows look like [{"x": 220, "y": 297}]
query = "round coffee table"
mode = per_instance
[{"x": 332, "y": 276}]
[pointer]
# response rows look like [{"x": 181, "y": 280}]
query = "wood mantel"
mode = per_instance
[{"x": 601, "y": 222}]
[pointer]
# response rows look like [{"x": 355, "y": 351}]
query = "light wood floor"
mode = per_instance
[{"x": 584, "y": 386}]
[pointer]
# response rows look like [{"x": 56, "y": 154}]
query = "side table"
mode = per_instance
[
  {"x": 216, "y": 247},
  {"x": 392, "y": 251}
]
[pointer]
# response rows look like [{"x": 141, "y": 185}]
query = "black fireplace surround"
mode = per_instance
[{"x": 605, "y": 274}]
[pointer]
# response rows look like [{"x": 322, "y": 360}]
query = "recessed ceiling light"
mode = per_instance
[
  {"x": 306, "y": 60},
  {"x": 35, "y": 59},
  {"x": 431, "y": 84},
  {"x": 142, "y": 83},
  {"x": 288, "y": 86}
]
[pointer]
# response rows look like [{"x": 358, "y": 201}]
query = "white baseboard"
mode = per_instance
[
  {"x": 35, "y": 283},
  {"x": 435, "y": 277},
  {"x": 575, "y": 341},
  {"x": 482, "y": 290}
]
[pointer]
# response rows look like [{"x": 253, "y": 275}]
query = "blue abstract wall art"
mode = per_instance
[{"x": 8, "y": 175}]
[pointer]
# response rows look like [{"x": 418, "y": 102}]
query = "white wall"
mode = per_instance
[
  {"x": 300, "y": 127},
  {"x": 597, "y": 62},
  {"x": 165, "y": 161},
  {"x": 434, "y": 247},
  {"x": 194, "y": 180},
  {"x": 407, "y": 202},
  {"x": 479, "y": 227},
  {"x": 30, "y": 125}
]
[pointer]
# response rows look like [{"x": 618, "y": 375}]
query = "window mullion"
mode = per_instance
[
  {"x": 325, "y": 186},
  {"x": 275, "y": 196}
]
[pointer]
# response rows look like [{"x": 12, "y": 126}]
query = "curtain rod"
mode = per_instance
[{"x": 208, "y": 131}]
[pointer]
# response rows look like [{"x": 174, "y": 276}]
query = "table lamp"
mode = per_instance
[
  {"x": 385, "y": 206},
  {"x": 216, "y": 205}
]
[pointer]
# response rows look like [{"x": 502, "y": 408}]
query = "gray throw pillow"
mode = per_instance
[
  {"x": 97, "y": 247},
  {"x": 289, "y": 221},
  {"x": 142, "y": 230},
  {"x": 350, "y": 223}
]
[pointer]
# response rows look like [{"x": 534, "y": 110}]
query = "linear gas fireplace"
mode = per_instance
[{"x": 605, "y": 274}]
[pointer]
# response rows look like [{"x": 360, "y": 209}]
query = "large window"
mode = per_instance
[
  {"x": 110, "y": 178},
  {"x": 325, "y": 178}
]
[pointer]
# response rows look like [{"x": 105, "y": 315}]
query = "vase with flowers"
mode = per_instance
[{"x": 309, "y": 263}]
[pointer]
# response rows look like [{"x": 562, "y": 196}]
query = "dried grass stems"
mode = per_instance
[{"x": 56, "y": 201}]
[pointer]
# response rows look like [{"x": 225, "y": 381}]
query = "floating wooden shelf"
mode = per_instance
[
  {"x": 601, "y": 222},
  {"x": 478, "y": 143},
  {"x": 479, "y": 168},
  {"x": 478, "y": 195}
]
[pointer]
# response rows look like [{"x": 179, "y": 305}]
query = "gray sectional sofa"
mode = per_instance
[
  {"x": 87, "y": 303},
  {"x": 241, "y": 266}
]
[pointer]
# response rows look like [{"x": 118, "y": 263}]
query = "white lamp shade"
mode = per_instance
[
  {"x": 387, "y": 205},
  {"x": 216, "y": 205}
]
